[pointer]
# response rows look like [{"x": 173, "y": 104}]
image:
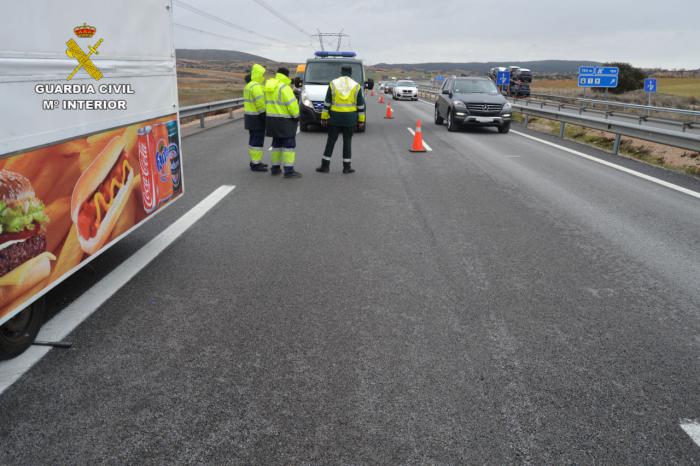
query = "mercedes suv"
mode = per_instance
[{"x": 472, "y": 101}]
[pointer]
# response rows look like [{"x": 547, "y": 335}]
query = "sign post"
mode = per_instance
[
  {"x": 649, "y": 88},
  {"x": 605, "y": 77}
]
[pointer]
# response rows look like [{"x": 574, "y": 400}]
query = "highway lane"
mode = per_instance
[
  {"x": 494, "y": 301},
  {"x": 618, "y": 114}
]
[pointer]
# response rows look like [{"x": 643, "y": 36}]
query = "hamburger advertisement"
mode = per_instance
[{"x": 61, "y": 205}]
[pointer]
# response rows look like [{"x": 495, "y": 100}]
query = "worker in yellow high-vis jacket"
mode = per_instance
[
  {"x": 344, "y": 109},
  {"x": 281, "y": 121},
  {"x": 254, "y": 119}
]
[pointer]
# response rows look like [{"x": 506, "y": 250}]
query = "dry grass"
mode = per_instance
[
  {"x": 198, "y": 86},
  {"x": 655, "y": 154},
  {"x": 684, "y": 87},
  {"x": 673, "y": 92}
]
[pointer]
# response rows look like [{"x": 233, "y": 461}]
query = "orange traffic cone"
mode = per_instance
[
  {"x": 381, "y": 99},
  {"x": 418, "y": 140},
  {"x": 389, "y": 112}
]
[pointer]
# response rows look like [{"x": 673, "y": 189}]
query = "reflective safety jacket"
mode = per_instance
[
  {"x": 281, "y": 108},
  {"x": 254, "y": 100},
  {"x": 345, "y": 103}
]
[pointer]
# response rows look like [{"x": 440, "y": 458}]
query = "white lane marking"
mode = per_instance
[
  {"x": 512, "y": 156},
  {"x": 69, "y": 318},
  {"x": 413, "y": 133},
  {"x": 426, "y": 102},
  {"x": 666, "y": 184},
  {"x": 692, "y": 428}
]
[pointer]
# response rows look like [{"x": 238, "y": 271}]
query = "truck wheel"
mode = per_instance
[
  {"x": 451, "y": 126},
  {"x": 438, "y": 119},
  {"x": 18, "y": 333}
]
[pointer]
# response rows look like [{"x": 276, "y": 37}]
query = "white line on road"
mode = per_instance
[
  {"x": 666, "y": 184},
  {"x": 75, "y": 313},
  {"x": 413, "y": 133},
  {"x": 692, "y": 428}
]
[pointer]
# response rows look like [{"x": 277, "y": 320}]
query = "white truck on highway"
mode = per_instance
[{"x": 89, "y": 142}]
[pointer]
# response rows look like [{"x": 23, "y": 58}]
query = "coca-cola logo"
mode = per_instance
[{"x": 143, "y": 158}]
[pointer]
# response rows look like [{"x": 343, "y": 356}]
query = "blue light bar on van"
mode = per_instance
[{"x": 326, "y": 54}]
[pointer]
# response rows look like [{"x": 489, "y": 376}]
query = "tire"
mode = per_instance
[
  {"x": 438, "y": 119},
  {"x": 303, "y": 127},
  {"x": 504, "y": 128},
  {"x": 451, "y": 126},
  {"x": 17, "y": 334}
]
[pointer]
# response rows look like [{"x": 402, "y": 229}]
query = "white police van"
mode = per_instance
[{"x": 320, "y": 71}]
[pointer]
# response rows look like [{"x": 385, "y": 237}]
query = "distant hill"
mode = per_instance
[
  {"x": 212, "y": 55},
  {"x": 538, "y": 67}
]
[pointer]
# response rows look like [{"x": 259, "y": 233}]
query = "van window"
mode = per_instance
[{"x": 323, "y": 72}]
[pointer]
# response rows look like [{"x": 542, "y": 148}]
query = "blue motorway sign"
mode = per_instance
[
  {"x": 503, "y": 78},
  {"x": 597, "y": 81},
  {"x": 607, "y": 70},
  {"x": 598, "y": 76},
  {"x": 650, "y": 85},
  {"x": 439, "y": 78}
]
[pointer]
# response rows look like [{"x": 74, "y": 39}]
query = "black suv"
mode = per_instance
[{"x": 472, "y": 101}]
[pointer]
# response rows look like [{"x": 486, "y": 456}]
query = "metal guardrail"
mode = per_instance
[
  {"x": 613, "y": 103},
  {"x": 681, "y": 139},
  {"x": 668, "y": 137},
  {"x": 202, "y": 110}
]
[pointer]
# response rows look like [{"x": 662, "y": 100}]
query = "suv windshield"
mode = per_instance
[
  {"x": 323, "y": 72},
  {"x": 406, "y": 84},
  {"x": 474, "y": 86}
]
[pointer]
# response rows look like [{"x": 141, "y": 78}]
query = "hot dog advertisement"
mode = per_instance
[{"x": 63, "y": 204}]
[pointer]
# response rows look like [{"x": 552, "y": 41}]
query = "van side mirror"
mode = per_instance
[
  {"x": 446, "y": 91},
  {"x": 369, "y": 84},
  {"x": 298, "y": 82}
]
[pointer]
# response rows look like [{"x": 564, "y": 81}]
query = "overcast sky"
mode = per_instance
[{"x": 647, "y": 33}]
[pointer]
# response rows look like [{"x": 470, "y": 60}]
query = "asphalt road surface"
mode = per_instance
[{"x": 494, "y": 301}]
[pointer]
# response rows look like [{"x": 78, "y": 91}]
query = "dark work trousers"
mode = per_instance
[
  {"x": 333, "y": 132},
  {"x": 257, "y": 138}
]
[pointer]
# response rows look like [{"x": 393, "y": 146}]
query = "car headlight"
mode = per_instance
[
  {"x": 459, "y": 104},
  {"x": 507, "y": 107},
  {"x": 306, "y": 101}
]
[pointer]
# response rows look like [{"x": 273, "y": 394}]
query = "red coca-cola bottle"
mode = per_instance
[{"x": 147, "y": 164}]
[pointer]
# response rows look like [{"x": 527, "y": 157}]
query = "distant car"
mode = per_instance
[
  {"x": 405, "y": 89},
  {"x": 389, "y": 86},
  {"x": 472, "y": 101}
]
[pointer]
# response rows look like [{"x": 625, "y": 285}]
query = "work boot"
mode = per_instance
[
  {"x": 325, "y": 166},
  {"x": 347, "y": 168},
  {"x": 275, "y": 170},
  {"x": 258, "y": 167},
  {"x": 290, "y": 173}
]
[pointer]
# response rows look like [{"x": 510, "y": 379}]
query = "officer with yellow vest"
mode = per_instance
[
  {"x": 344, "y": 109},
  {"x": 281, "y": 121},
  {"x": 254, "y": 119}
]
